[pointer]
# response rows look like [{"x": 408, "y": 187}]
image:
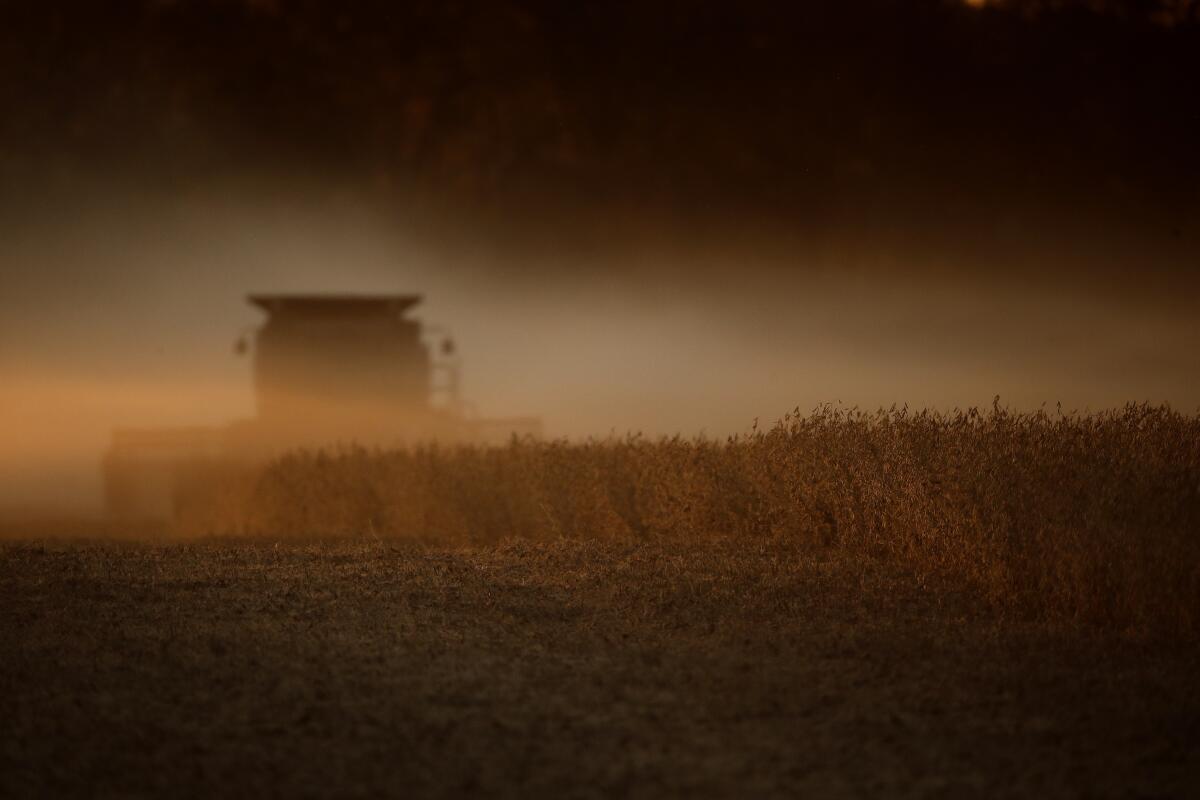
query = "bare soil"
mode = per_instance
[{"x": 571, "y": 669}]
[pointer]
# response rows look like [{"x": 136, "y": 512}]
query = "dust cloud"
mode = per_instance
[{"x": 125, "y": 314}]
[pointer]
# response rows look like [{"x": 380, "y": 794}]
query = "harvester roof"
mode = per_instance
[{"x": 334, "y": 304}]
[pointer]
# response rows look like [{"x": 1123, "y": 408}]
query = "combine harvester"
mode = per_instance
[{"x": 329, "y": 370}]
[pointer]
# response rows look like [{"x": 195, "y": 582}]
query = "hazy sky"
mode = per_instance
[{"x": 631, "y": 218}]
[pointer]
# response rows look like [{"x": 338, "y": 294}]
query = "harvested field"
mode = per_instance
[{"x": 561, "y": 668}]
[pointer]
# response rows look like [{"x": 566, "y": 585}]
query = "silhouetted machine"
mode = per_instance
[
  {"x": 342, "y": 367},
  {"x": 328, "y": 370}
]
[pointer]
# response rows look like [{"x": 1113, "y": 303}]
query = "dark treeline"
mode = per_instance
[{"x": 817, "y": 114}]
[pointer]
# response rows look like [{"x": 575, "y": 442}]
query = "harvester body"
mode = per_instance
[{"x": 328, "y": 370}]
